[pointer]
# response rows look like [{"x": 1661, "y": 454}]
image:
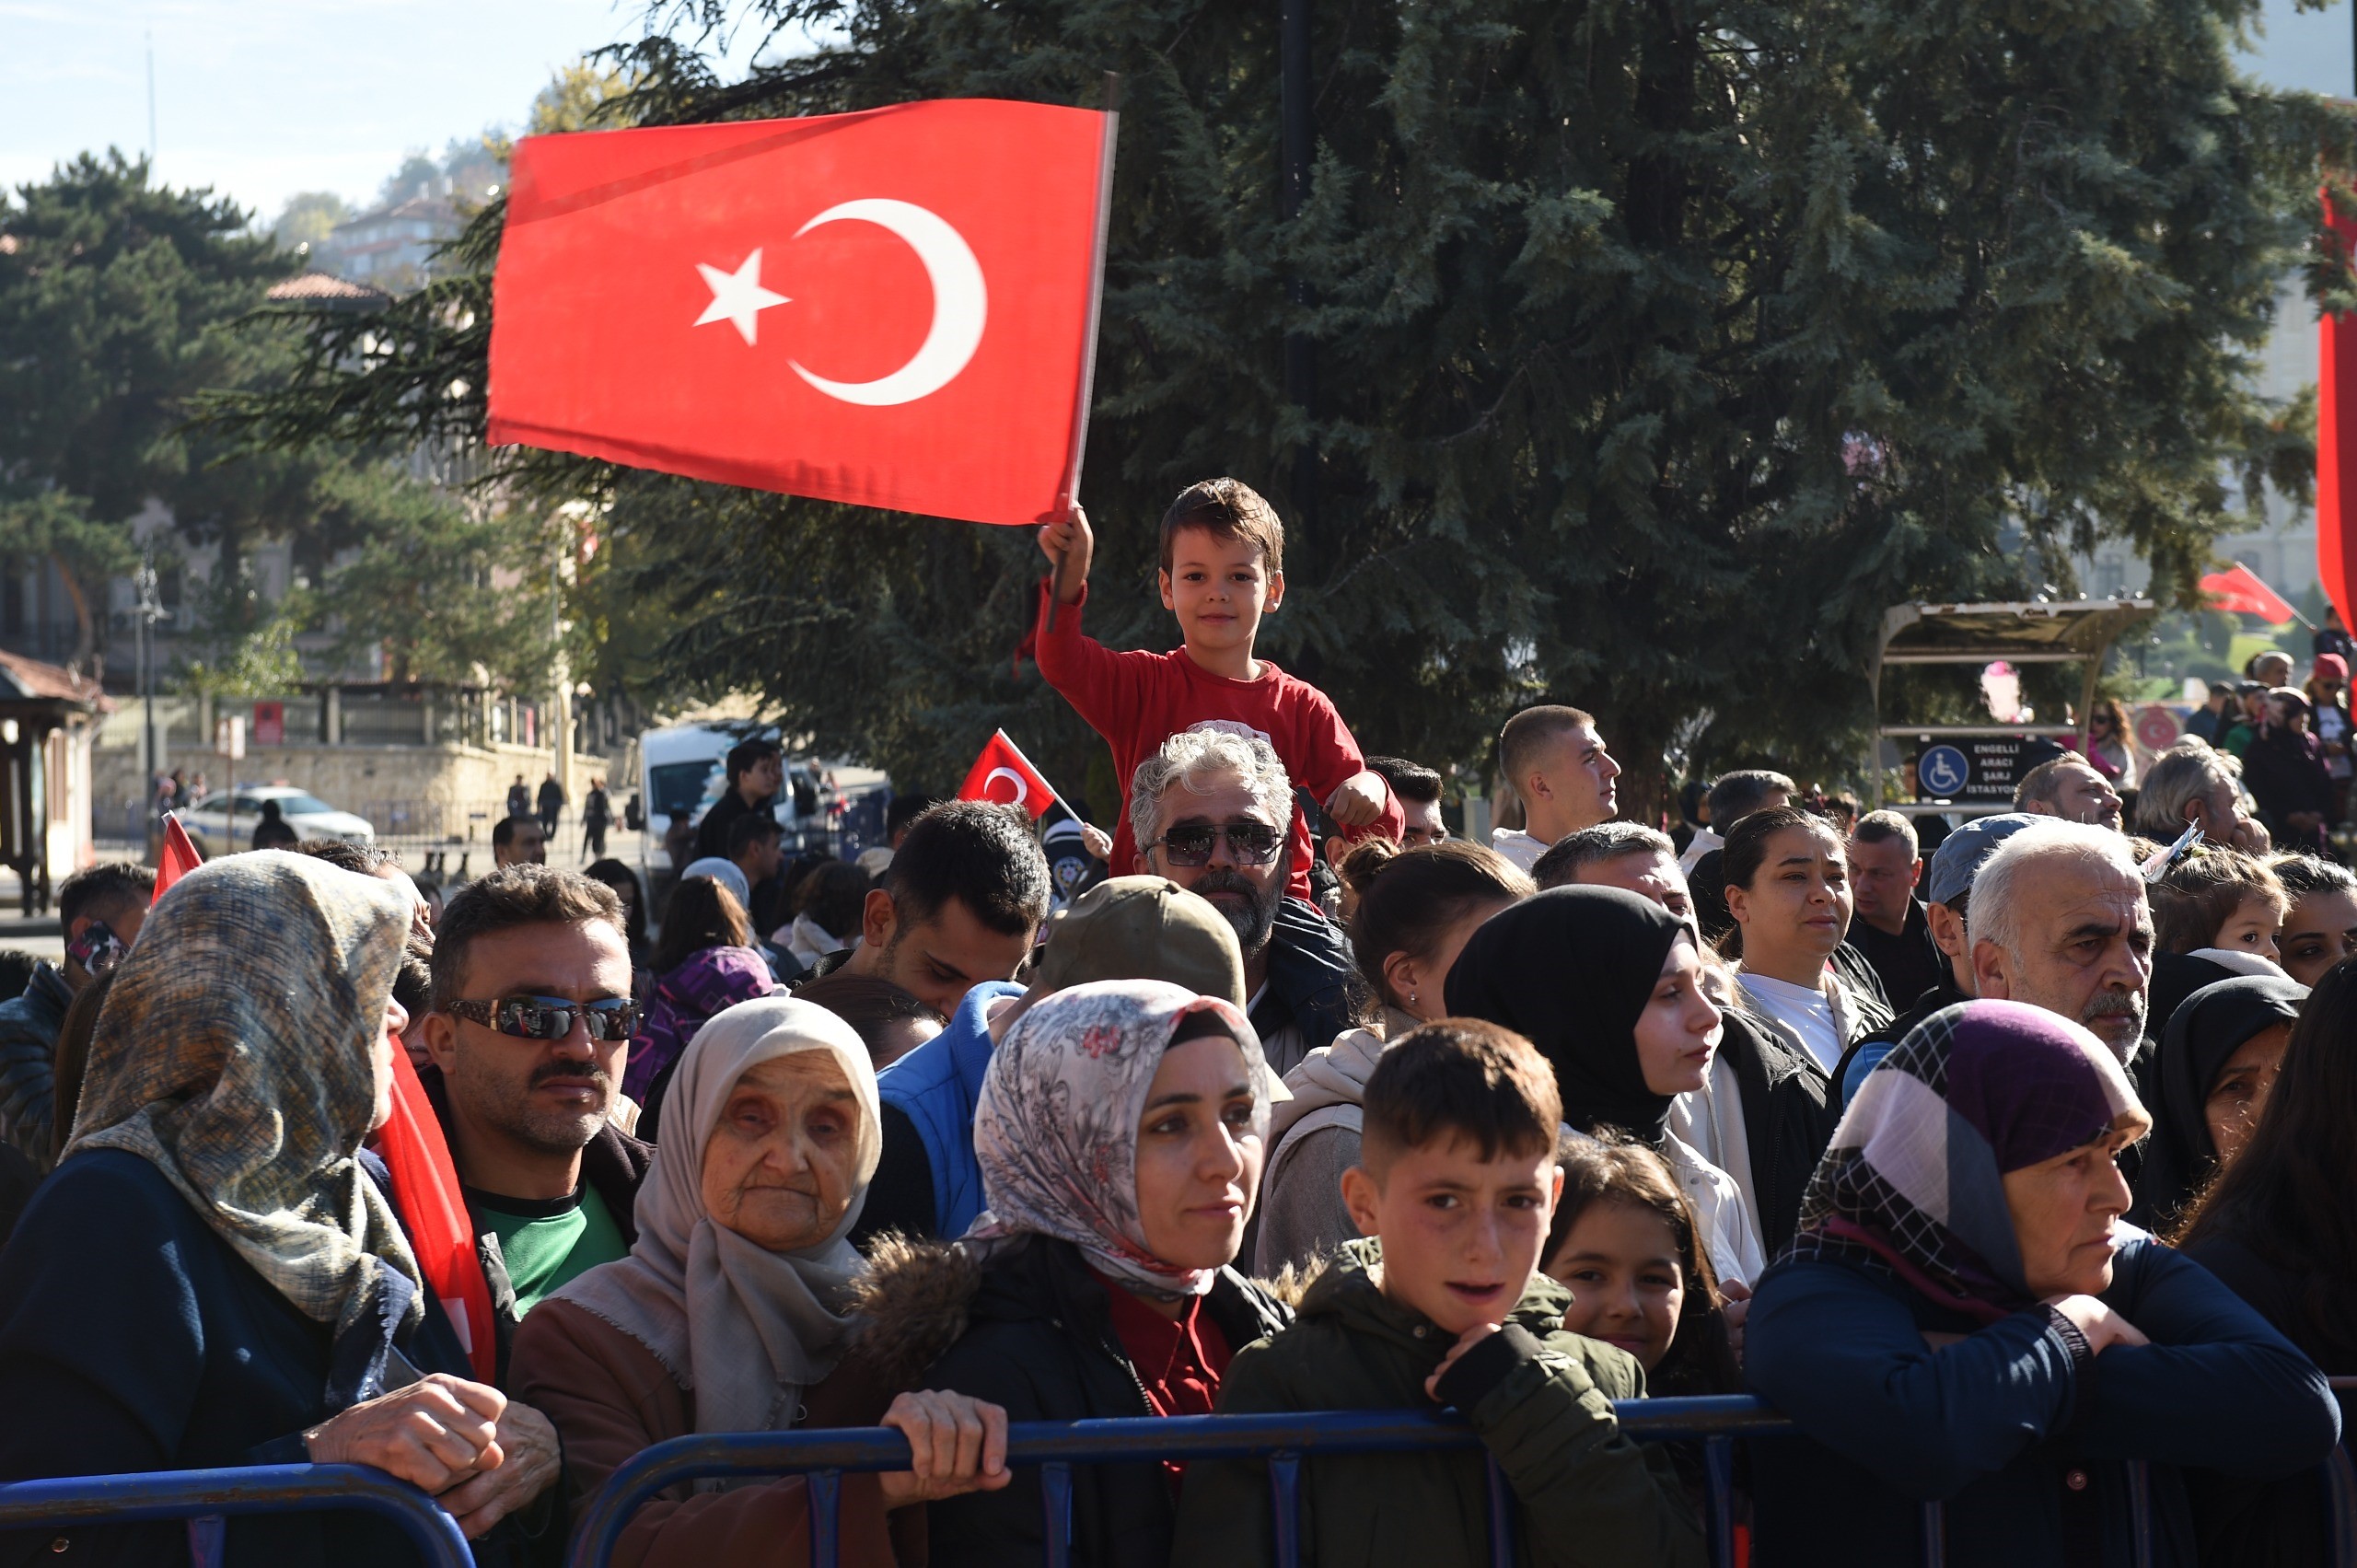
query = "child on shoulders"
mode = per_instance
[
  {"x": 1223, "y": 569},
  {"x": 1442, "y": 1304}
]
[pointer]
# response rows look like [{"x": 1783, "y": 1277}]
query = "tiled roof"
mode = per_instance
[
  {"x": 311, "y": 288},
  {"x": 23, "y": 679}
]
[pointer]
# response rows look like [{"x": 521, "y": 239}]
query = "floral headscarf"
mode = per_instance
[
  {"x": 1056, "y": 1131},
  {"x": 1913, "y": 1184},
  {"x": 235, "y": 1054}
]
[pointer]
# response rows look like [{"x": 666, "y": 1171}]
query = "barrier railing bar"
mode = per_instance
[
  {"x": 1284, "y": 1496},
  {"x": 2140, "y": 1513},
  {"x": 1501, "y": 1516},
  {"x": 1935, "y": 1534},
  {"x": 1055, "y": 1497},
  {"x": 257, "y": 1489},
  {"x": 1718, "y": 1490},
  {"x": 826, "y": 1518}
]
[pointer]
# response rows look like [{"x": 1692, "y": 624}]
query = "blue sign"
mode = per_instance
[{"x": 1941, "y": 773}]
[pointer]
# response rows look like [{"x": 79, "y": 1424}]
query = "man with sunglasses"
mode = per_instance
[
  {"x": 531, "y": 1022},
  {"x": 1210, "y": 810}
]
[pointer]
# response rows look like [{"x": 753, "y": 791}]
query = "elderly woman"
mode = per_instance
[
  {"x": 1962, "y": 1318},
  {"x": 1119, "y": 1132},
  {"x": 214, "y": 1277},
  {"x": 732, "y": 1309}
]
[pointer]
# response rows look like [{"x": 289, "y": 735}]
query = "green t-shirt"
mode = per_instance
[{"x": 546, "y": 1243}]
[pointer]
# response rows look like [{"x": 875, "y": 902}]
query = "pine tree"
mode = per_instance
[{"x": 1661, "y": 347}]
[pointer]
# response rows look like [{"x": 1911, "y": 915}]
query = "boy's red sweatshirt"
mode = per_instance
[{"x": 1136, "y": 700}]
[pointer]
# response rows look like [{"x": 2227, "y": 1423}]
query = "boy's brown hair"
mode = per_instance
[
  {"x": 1459, "y": 1078},
  {"x": 1226, "y": 508}
]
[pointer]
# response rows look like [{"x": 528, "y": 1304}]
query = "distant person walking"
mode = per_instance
[
  {"x": 597, "y": 816},
  {"x": 519, "y": 797},
  {"x": 551, "y": 804}
]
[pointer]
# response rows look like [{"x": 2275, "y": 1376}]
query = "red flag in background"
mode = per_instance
[
  {"x": 2336, "y": 443},
  {"x": 177, "y": 859},
  {"x": 1004, "y": 777},
  {"x": 893, "y": 308},
  {"x": 2242, "y": 591},
  {"x": 425, "y": 1190}
]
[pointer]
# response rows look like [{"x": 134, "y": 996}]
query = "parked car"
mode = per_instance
[{"x": 207, "y": 819}]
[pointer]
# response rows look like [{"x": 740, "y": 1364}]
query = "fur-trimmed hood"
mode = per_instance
[{"x": 912, "y": 1301}]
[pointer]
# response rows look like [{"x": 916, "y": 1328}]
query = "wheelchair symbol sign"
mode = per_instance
[{"x": 1943, "y": 773}]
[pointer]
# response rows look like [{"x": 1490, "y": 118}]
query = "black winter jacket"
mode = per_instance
[{"x": 1030, "y": 1330}]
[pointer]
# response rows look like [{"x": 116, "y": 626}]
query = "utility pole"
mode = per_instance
[
  {"x": 144, "y": 613},
  {"x": 1299, "y": 147},
  {"x": 151, "y": 101}
]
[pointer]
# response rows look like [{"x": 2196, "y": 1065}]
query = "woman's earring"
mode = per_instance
[{"x": 1411, "y": 999}]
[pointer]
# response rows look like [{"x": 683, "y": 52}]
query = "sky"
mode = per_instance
[{"x": 261, "y": 99}]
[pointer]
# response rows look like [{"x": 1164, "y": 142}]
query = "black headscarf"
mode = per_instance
[
  {"x": 2207, "y": 1028},
  {"x": 1572, "y": 971}
]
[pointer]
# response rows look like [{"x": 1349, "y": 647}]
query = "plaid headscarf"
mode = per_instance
[
  {"x": 1056, "y": 1130},
  {"x": 235, "y": 1055},
  {"x": 1913, "y": 1184}
]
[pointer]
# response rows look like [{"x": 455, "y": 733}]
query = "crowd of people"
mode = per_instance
[{"x": 2017, "y": 1179}]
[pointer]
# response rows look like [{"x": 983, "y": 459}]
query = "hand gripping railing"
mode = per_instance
[
  {"x": 823, "y": 1458},
  {"x": 257, "y": 1489}
]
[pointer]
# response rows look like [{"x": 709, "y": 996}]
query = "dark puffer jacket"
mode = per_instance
[
  {"x": 1789, "y": 1112},
  {"x": 1031, "y": 1331}
]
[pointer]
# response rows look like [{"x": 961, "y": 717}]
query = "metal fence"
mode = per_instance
[{"x": 206, "y": 1497}]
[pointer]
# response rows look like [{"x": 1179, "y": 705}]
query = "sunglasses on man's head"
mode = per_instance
[
  {"x": 1252, "y": 844},
  {"x": 551, "y": 1017}
]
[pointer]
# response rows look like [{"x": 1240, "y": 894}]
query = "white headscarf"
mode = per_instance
[
  {"x": 716, "y": 1310},
  {"x": 1056, "y": 1129}
]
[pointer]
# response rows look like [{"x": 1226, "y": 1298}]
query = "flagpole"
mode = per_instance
[{"x": 1088, "y": 341}]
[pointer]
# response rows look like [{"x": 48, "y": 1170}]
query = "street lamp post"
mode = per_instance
[
  {"x": 144, "y": 613},
  {"x": 1299, "y": 147}
]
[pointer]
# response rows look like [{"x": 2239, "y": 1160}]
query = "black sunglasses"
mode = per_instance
[
  {"x": 551, "y": 1017},
  {"x": 1252, "y": 844}
]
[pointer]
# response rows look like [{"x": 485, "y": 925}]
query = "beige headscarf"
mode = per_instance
[
  {"x": 234, "y": 1054},
  {"x": 744, "y": 1329}
]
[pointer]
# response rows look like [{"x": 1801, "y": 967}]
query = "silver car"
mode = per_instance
[{"x": 208, "y": 821}]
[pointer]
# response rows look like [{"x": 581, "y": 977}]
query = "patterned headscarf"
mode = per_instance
[
  {"x": 1056, "y": 1131},
  {"x": 1913, "y": 1184},
  {"x": 745, "y": 1328},
  {"x": 235, "y": 1054}
]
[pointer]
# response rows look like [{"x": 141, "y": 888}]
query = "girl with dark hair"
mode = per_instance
[
  {"x": 1624, "y": 1240},
  {"x": 1788, "y": 892},
  {"x": 1416, "y": 910},
  {"x": 2321, "y": 927},
  {"x": 704, "y": 964},
  {"x": 2219, "y": 901},
  {"x": 2279, "y": 1228},
  {"x": 826, "y": 907},
  {"x": 1609, "y": 986}
]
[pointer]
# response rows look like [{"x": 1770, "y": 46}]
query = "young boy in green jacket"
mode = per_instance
[{"x": 1443, "y": 1303}]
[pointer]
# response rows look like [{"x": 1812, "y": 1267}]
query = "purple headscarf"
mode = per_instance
[{"x": 1913, "y": 1184}]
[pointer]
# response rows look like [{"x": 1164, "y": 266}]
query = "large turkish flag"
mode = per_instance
[{"x": 894, "y": 309}]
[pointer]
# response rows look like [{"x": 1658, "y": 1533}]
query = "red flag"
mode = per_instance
[
  {"x": 2241, "y": 591},
  {"x": 177, "y": 859},
  {"x": 2336, "y": 443},
  {"x": 426, "y": 1189},
  {"x": 894, "y": 309},
  {"x": 1004, "y": 777}
]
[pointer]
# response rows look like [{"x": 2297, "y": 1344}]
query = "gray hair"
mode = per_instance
[
  {"x": 2186, "y": 773},
  {"x": 1992, "y": 917},
  {"x": 1192, "y": 756},
  {"x": 1574, "y": 853},
  {"x": 1881, "y": 827},
  {"x": 1736, "y": 795}
]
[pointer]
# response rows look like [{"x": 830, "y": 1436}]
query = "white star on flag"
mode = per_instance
[{"x": 737, "y": 298}]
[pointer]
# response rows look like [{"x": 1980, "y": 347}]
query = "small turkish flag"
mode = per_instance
[
  {"x": 2240, "y": 589},
  {"x": 894, "y": 309},
  {"x": 177, "y": 859},
  {"x": 1004, "y": 777}
]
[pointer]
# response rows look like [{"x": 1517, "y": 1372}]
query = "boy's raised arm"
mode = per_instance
[{"x": 1069, "y": 546}]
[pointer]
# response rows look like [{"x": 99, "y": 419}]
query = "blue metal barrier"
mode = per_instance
[
  {"x": 258, "y": 1489},
  {"x": 1282, "y": 1440}
]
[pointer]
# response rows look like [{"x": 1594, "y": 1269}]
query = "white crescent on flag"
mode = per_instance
[
  {"x": 960, "y": 303},
  {"x": 1022, "y": 790}
]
